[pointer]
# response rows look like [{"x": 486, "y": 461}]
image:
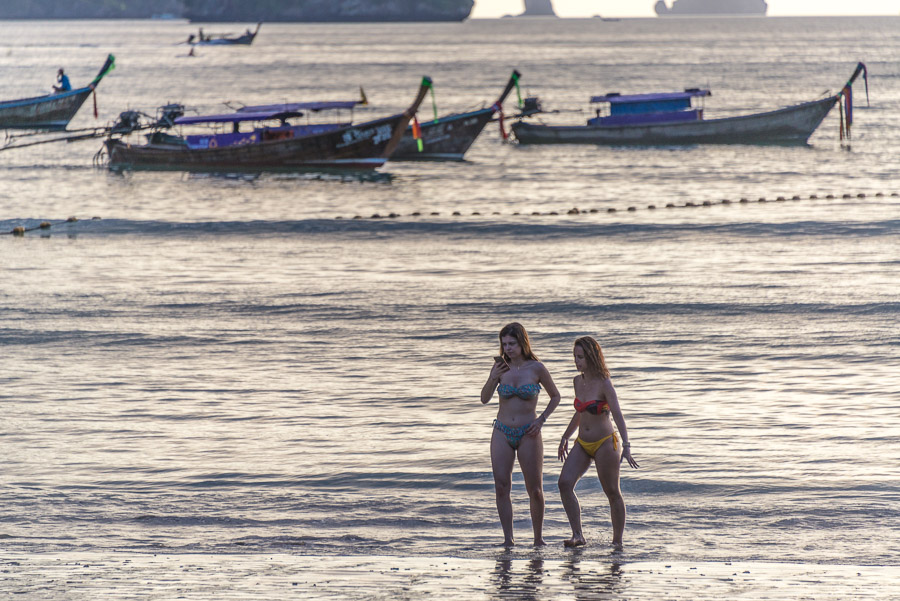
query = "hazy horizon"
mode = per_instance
[{"x": 644, "y": 8}]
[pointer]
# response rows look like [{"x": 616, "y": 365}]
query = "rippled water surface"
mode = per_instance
[{"x": 219, "y": 364}]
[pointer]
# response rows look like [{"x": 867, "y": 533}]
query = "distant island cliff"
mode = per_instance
[
  {"x": 712, "y": 7},
  {"x": 244, "y": 10},
  {"x": 538, "y": 8}
]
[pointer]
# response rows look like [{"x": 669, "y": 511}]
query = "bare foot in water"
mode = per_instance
[
  {"x": 539, "y": 542},
  {"x": 508, "y": 543},
  {"x": 575, "y": 541}
]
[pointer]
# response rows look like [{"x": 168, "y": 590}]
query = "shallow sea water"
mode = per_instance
[{"x": 220, "y": 368}]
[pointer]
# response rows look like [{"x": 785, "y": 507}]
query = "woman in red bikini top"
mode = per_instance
[{"x": 595, "y": 403}]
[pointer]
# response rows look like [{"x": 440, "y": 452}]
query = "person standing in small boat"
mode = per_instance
[
  {"x": 62, "y": 82},
  {"x": 517, "y": 376},
  {"x": 595, "y": 403}
]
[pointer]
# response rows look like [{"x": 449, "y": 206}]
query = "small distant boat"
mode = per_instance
[
  {"x": 223, "y": 40},
  {"x": 671, "y": 119},
  {"x": 51, "y": 112},
  {"x": 273, "y": 144},
  {"x": 450, "y": 136}
]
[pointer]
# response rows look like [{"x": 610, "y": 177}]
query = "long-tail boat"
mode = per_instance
[
  {"x": 671, "y": 119},
  {"x": 273, "y": 144},
  {"x": 244, "y": 39},
  {"x": 51, "y": 112},
  {"x": 450, "y": 136}
]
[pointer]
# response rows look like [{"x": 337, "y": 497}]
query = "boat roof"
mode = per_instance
[
  {"x": 238, "y": 117},
  {"x": 262, "y": 112},
  {"x": 616, "y": 98},
  {"x": 302, "y": 106}
]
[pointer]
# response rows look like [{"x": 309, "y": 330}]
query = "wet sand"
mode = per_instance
[{"x": 121, "y": 576}]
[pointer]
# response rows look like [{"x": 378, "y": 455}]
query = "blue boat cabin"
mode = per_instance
[{"x": 647, "y": 109}]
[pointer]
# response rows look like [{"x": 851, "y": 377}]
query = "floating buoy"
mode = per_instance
[
  {"x": 779, "y": 199},
  {"x": 725, "y": 201},
  {"x": 744, "y": 201},
  {"x": 689, "y": 204},
  {"x": 535, "y": 212},
  {"x": 495, "y": 213},
  {"x": 95, "y": 218},
  {"x": 795, "y": 197},
  {"x": 813, "y": 197},
  {"x": 516, "y": 213},
  {"x": 435, "y": 213},
  {"x": 456, "y": 213},
  {"x": 476, "y": 213},
  {"x": 573, "y": 211},
  {"x": 830, "y": 197},
  {"x": 416, "y": 214},
  {"x": 632, "y": 208},
  {"x": 18, "y": 231},
  {"x": 762, "y": 199},
  {"x": 376, "y": 216},
  {"x": 393, "y": 215},
  {"x": 670, "y": 205},
  {"x": 847, "y": 196},
  {"x": 593, "y": 210},
  {"x": 72, "y": 219},
  {"x": 706, "y": 203},
  {"x": 860, "y": 195},
  {"x": 651, "y": 207},
  {"x": 357, "y": 216},
  {"x": 895, "y": 194},
  {"x": 879, "y": 195},
  {"x": 610, "y": 210},
  {"x": 44, "y": 225},
  {"x": 338, "y": 217}
]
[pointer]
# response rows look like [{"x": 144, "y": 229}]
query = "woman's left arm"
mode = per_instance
[
  {"x": 545, "y": 379},
  {"x": 612, "y": 400}
]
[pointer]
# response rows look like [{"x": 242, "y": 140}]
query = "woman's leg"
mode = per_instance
[
  {"x": 573, "y": 469},
  {"x": 503, "y": 457},
  {"x": 531, "y": 460},
  {"x": 607, "y": 459}
]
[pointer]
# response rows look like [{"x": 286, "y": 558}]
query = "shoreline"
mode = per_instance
[{"x": 126, "y": 575}]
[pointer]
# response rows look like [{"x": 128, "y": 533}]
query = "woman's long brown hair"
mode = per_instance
[
  {"x": 517, "y": 331},
  {"x": 596, "y": 364}
]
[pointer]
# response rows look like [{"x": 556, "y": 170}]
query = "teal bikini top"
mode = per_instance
[{"x": 526, "y": 392}]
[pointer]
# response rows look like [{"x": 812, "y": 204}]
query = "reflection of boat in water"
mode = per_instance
[
  {"x": 273, "y": 144},
  {"x": 450, "y": 136},
  {"x": 51, "y": 112},
  {"x": 223, "y": 39},
  {"x": 671, "y": 119}
]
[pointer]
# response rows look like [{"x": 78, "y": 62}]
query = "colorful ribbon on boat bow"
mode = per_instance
[
  {"x": 515, "y": 77},
  {"x": 430, "y": 86},
  {"x": 417, "y": 134},
  {"x": 498, "y": 108},
  {"x": 846, "y": 95}
]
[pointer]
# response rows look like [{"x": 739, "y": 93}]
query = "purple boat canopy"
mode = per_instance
[
  {"x": 662, "y": 97},
  {"x": 302, "y": 106},
  {"x": 238, "y": 117}
]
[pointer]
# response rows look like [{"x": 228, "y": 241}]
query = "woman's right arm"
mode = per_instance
[
  {"x": 487, "y": 391},
  {"x": 564, "y": 443}
]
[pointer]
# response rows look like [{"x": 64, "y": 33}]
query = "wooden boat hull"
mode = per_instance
[
  {"x": 358, "y": 147},
  {"x": 447, "y": 138},
  {"x": 51, "y": 112},
  {"x": 790, "y": 125}
]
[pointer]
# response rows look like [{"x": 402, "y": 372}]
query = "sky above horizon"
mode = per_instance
[{"x": 644, "y": 8}]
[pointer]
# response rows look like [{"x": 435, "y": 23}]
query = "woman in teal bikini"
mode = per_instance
[
  {"x": 595, "y": 403},
  {"x": 517, "y": 377}
]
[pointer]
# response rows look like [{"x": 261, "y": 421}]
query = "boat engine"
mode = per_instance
[{"x": 127, "y": 123}]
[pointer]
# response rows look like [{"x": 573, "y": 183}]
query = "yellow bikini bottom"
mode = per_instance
[{"x": 591, "y": 447}]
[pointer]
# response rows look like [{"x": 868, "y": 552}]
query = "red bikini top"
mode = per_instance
[{"x": 595, "y": 407}]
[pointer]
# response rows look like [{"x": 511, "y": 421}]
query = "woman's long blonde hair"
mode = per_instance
[
  {"x": 517, "y": 331},
  {"x": 596, "y": 364}
]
